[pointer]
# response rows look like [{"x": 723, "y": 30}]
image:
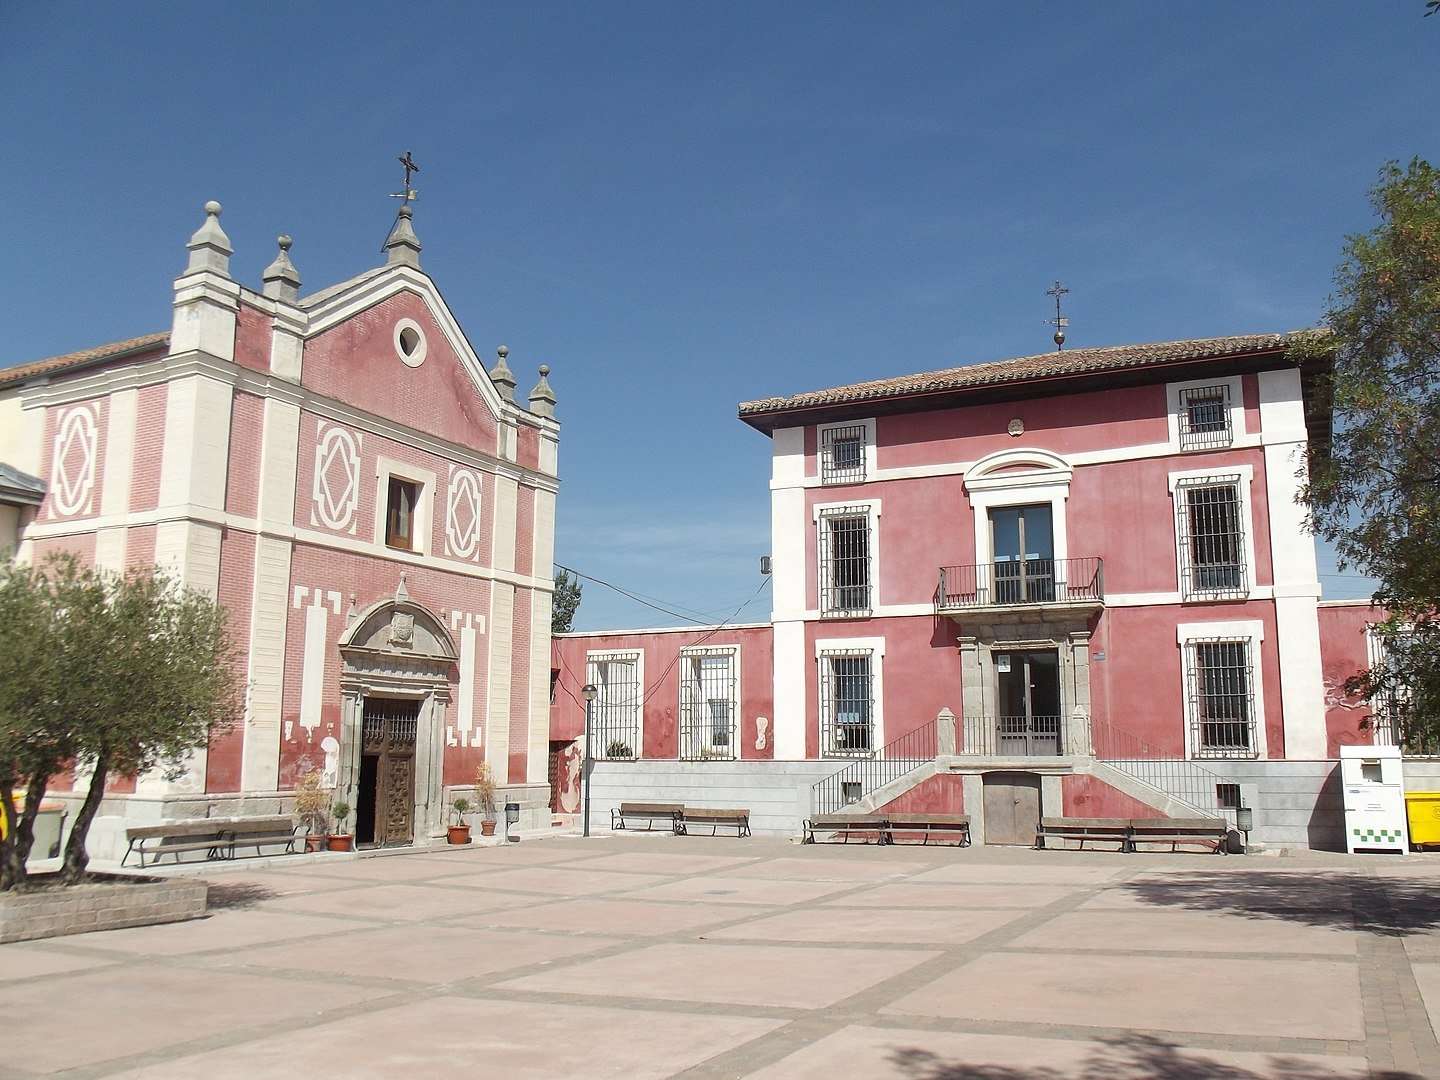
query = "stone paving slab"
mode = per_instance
[
  {"x": 148, "y": 1008},
  {"x": 1315, "y": 999},
  {"x": 410, "y": 903},
  {"x": 664, "y": 862},
  {"x": 879, "y": 1054},
  {"x": 1186, "y": 931},
  {"x": 21, "y": 961},
  {"x": 426, "y": 954},
  {"x": 852, "y": 870},
  {"x": 554, "y": 881},
  {"x": 896, "y": 926},
  {"x": 1025, "y": 871},
  {"x": 729, "y": 974},
  {"x": 450, "y": 1037},
  {"x": 594, "y": 915},
  {"x": 738, "y": 890},
  {"x": 221, "y": 930},
  {"x": 956, "y": 898}
]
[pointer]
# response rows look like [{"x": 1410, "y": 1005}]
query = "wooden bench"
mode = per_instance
[
  {"x": 258, "y": 832},
  {"x": 737, "y": 819},
  {"x": 175, "y": 837},
  {"x": 956, "y": 826},
  {"x": 1176, "y": 831},
  {"x": 648, "y": 813},
  {"x": 1114, "y": 830},
  {"x": 846, "y": 825}
]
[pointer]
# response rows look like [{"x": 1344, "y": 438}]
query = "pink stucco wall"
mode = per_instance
[{"x": 1344, "y": 652}]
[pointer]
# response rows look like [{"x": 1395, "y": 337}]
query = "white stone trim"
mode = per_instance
[
  {"x": 990, "y": 488},
  {"x": 871, "y": 462},
  {"x": 499, "y": 684},
  {"x": 1246, "y": 472},
  {"x": 338, "y": 510},
  {"x": 422, "y": 345},
  {"x": 385, "y": 468},
  {"x": 1251, "y": 631},
  {"x": 872, "y": 509},
  {"x": 119, "y": 452},
  {"x": 860, "y": 646},
  {"x": 71, "y": 495},
  {"x": 1234, "y": 388},
  {"x": 463, "y": 543}
]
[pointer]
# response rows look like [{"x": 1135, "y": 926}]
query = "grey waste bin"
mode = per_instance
[{"x": 49, "y": 830}]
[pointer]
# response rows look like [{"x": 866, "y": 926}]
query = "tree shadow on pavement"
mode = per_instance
[
  {"x": 1387, "y": 906},
  {"x": 1132, "y": 1057},
  {"x": 236, "y": 895}
]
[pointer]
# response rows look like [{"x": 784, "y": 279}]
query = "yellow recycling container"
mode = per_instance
[{"x": 1422, "y": 808}]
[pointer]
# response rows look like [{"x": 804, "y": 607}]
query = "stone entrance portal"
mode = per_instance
[{"x": 397, "y": 665}]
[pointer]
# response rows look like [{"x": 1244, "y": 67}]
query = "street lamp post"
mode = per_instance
[{"x": 589, "y": 693}]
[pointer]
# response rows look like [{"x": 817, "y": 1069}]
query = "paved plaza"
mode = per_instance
[{"x": 706, "y": 958}]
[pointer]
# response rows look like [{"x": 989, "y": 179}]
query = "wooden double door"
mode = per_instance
[
  {"x": 385, "y": 797},
  {"x": 1012, "y": 808}
]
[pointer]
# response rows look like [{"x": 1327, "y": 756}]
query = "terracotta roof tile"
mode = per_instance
[
  {"x": 1025, "y": 368},
  {"x": 94, "y": 355}
]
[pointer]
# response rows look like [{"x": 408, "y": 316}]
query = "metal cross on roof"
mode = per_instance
[
  {"x": 410, "y": 167},
  {"x": 1060, "y": 322}
]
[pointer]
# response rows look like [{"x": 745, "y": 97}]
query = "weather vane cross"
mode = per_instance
[
  {"x": 1060, "y": 322},
  {"x": 410, "y": 167}
]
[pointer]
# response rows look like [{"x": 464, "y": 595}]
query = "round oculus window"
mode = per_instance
[{"x": 409, "y": 342}]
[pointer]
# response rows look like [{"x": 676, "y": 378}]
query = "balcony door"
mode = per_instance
[
  {"x": 1028, "y": 694},
  {"x": 1022, "y": 545}
]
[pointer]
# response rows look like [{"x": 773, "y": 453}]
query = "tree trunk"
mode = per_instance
[
  {"x": 76, "y": 857},
  {"x": 22, "y": 834},
  {"x": 7, "y": 807}
]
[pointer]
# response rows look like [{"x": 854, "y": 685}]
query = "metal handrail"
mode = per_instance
[
  {"x": 1021, "y": 583},
  {"x": 1170, "y": 774},
  {"x": 865, "y": 775}
]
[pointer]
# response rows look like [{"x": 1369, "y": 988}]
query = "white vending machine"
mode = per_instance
[{"x": 1374, "y": 799}]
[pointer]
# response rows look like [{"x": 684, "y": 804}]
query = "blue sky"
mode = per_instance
[{"x": 679, "y": 206}]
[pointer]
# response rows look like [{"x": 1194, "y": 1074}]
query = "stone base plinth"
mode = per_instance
[{"x": 107, "y": 903}]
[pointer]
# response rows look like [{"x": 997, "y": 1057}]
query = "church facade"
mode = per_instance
[{"x": 373, "y": 506}]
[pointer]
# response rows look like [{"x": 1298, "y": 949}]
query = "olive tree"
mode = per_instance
[{"x": 113, "y": 676}]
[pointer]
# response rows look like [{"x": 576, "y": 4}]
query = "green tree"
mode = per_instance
[
  {"x": 115, "y": 676},
  {"x": 1376, "y": 494},
  {"x": 567, "y": 602}
]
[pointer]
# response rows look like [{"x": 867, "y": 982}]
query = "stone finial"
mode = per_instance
[
  {"x": 542, "y": 398},
  {"x": 502, "y": 376},
  {"x": 282, "y": 280},
  {"x": 209, "y": 246},
  {"x": 354, "y": 612},
  {"x": 402, "y": 246},
  {"x": 401, "y": 593}
]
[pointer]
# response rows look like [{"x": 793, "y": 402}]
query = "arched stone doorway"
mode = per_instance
[{"x": 397, "y": 664}]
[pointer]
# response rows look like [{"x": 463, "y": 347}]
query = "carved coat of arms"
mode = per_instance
[{"x": 402, "y": 630}]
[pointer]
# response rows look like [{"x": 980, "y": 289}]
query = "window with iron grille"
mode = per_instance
[
  {"x": 1221, "y": 694},
  {"x": 1211, "y": 534},
  {"x": 1392, "y": 719},
  {"x": 845, "y": 561},
  {"x": 842, "y": 454},
  {"x": 1205, "y": 417},
  {"x": 847, "y": 704},
  {"x": 615, "y": 713},
  {"x": 709, "y": 705}
]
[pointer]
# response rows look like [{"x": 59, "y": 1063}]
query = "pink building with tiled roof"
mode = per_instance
[
  {"x": 374, "y": 507},
  {"x": 1073, "y": 584}
]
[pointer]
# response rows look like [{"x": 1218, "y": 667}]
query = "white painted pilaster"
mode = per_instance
[
  {"x": 503, "y": 529},
  {"x": 537, "y": 759},
  {"x": 1292, "y": 558},
  {"x": 497, "y": 703},
  {"x": 115, "y": 486},
  {"x": 260, "y": 761},
  {"x": 312, "y": 674},
  {"x": 465, "y": 707},
  {"x": 787, "y": 588}
]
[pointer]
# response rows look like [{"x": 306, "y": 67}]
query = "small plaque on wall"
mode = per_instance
[
  {"x": 1002, "y": 662},
  {"x": 1098, "y": 656}
]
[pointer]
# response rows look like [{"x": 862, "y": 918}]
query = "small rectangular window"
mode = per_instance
[
  {"x": 1205, "y": 417},
  {"x": 1221, "y": 696},
  {"x": 847, "y": 704},
  {"x": 842, "y": 454},
  {"x": 615, "y": 713},
  {"x": 1212, "y": 537},
  {"x": 845, "y": 571},
  {"x": 1227, "y": 796},
  {"x": 400, "y": 507},
  {"x": 709, "y": 704}
]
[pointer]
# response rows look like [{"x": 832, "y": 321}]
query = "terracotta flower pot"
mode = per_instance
[
  {"x": 315, "y": 842},
  {"x": 458, "y": 834},
  {"x": 340, "y": 843},
  {"x": 487, "y": 828}
]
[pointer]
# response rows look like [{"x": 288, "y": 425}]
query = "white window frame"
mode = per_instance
[
  {"x": 622, "y": 655},
  {"x": 869, "y": 453},
  {"x": 1235, "y": 388},
  {"x": 990, "y": 487},
  {"x": 872, "y": 509},
  {"x": 385, "y": 469},
  {"x": 699, "y": 652},
  {"x": 1250, "y": 631},
  {"x": 874, "y": 647},
  {"x": 1246, "y": 473}
]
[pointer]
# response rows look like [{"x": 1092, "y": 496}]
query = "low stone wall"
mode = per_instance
[{"x": 112, "y": 902}]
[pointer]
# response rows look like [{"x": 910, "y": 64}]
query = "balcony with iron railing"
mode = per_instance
[{"x": 1036, "y": 585}]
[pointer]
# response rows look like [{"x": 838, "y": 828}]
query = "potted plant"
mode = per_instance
[
  {"x": 459, "y": 832},
  {"x": 340, "y": 840},
  {"x": 311, "y": 802},
  {"x": 485, "y": 798}
]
